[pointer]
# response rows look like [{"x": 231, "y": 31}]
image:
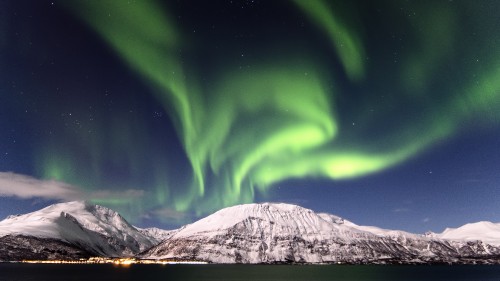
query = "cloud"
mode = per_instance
[
  {"x": 26, "y": 187},
  {"x": 169, "y": 214},
  {"x": 401, "y": 210},
  {"x": 426, "y": 220},
  {"x": 116, "y": 195}
]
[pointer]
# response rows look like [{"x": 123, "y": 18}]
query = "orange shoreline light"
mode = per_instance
[{"x": 115, "y": 261}]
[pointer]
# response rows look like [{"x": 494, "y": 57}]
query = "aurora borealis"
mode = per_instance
[{"x": 169, "y": 110}]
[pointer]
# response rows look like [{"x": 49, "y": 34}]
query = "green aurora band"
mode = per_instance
[
  {"x": 346, "y": 43},
  {"x": 281, "y": 119}
]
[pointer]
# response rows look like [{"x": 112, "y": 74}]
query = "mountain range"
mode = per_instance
[{"x": 250, "y": 233}]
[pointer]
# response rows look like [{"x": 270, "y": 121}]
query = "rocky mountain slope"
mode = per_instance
[
  {"x": 282, "y": 233},
  {"x": 92, "y": 229},
  {"x": 157, "y": 234},
  {"x": 251, "y": 233},
  {"x": 20, "y": 247}
]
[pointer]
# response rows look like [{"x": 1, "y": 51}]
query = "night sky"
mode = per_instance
[{"x": 384, "y": 112}]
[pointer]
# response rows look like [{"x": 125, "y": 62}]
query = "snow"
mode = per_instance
[
  {"x": 277, "y": 232},
  {"x": 157, "y": 233},
  {"x": 41, "y": 223},
  {"x": 293, "y": 218},
  {"x": 250, "y": 233},
  {"x": 485, "y": 231},
  {"x": 260, "y": 233},
  {"x": 94, "y": 227},
  {"x": 296, "y": 219}
]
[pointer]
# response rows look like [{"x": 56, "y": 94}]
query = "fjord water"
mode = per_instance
[{"x": 27, "y": 272}]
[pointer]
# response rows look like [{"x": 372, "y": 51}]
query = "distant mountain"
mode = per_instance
[
  {"x": 91, "y": 229},
  {"x": 484, "y": 231},
  {"x": 156, "y": 233},
  {"x": 251, "y": 233},
  {"x": 283, "y": 233}
]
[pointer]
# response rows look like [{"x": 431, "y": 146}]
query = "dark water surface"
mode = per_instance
[{"x": 27, "y": 272}]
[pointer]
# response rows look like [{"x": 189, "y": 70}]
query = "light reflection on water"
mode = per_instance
[{"x": 26, "y": 272}]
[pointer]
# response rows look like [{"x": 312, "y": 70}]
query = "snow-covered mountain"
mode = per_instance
[
  {"x": 156, "y": 233},
  {"x": 275, "y": 233},
  {"x": 251, "y": 233},
  {"x": 485, "y": 231},
  {"x": 94, "y": 229}
]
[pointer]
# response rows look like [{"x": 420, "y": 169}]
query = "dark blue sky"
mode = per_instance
[{"x": 383, "y": 112}]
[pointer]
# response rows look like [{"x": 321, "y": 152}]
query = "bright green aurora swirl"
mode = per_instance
[{"x": 287, "y": 117}]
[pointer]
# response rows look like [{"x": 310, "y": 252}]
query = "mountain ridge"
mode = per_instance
[
  {"x": 95, "y": 229},
  {"x": 249, "y": 233},
  {"x": 277, "y": 233}
]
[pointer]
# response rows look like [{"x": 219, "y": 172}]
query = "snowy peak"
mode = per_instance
[
  {"x": 157, "y": 233},
  {"x": 94, "y": 228},
  {"x": 285, "y": 217},
  {"x": 250, "y": 233},
  {"x": 485, "y": 231},
  {"x": 261, "y": 233},
  {"x": 332, "y": 218},
  {"x": 277, "y": 233}
]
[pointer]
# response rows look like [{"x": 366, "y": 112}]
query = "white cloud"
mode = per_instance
[
  {"x": 126, "y": 194},
  {"x": 169, "y": 214},
  {"x": 426, "y": 220},
  {"x": 25, "y": 187},
  {"x": 401, "y": 210}
]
